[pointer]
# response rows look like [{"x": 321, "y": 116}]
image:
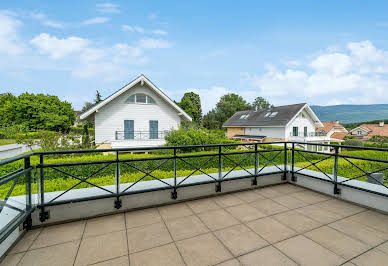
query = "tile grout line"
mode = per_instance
[
  {"x": 79, "y": 245},
  {"x": 126, "y": 236},
  {"x": 349, "y": 260},
  {"x": 28, "y": 249},
  {"x": 173, "y": 241}
]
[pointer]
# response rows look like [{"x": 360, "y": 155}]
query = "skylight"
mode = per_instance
[
  {"x": 273, "y": 114},
  {"x": 244, "y": 116},
  {"x": 267, "y": 114}
]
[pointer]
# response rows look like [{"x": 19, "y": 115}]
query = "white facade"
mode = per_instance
[{"x": 109, "y": 116}]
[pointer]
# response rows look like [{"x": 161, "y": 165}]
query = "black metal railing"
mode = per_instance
[
  {"x": 58, "y": 177},
  {"x": 140, "y": 135}
]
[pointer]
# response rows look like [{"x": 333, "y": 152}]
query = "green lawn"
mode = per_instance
[{"x": 7, "y": 141}]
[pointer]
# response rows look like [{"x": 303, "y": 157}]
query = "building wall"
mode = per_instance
[
  {"x": 232, "y": 131},
  {"x": 302, "y": 120},
  {"x": 271, "y": 132},
  {"x": 110, "y": 118}
]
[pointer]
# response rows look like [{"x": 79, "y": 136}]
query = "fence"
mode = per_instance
[
  {"x": 41, "y": 179},
  {"x": 140, "y": 135}
]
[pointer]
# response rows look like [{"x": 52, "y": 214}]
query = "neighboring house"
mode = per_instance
[
  {"x": 296, "y": 122},
  {"x": 137, "y": 115},
  {"x": 367, "y": 131},
  {"x": 334, "y": 130}
]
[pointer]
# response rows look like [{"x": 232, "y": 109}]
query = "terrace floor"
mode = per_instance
[{"x": 278, "y": 225}]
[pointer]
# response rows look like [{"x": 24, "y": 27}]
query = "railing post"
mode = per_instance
[
  {"x": 27, "y": 224},
  {"x": 254, "y": 179},
  {"x": 284, "y": 177},
  {"x": 117, "y": 203},
  {"x": 218, "y": 185},
  {"x": 174, "y": 193},
  {"x": 293, "y": 177},
  {"x": 335, "y": 171},
  {"x": 43, "y": 215}
]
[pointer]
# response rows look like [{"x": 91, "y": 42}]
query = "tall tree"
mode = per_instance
[
  {"x": 98, "y": 97},
  {"x": 225, "y": 108},
  {"x": 191, "y": 104},
  {"x": 261, "y": 103}
]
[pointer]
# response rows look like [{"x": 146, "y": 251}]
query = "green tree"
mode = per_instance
[
  {"x": 261, "y": 103},
  {"x": 7, "y": 114},
  {"x": 210, "y": 120},
  {"x": 191, "y": 104},
  {"x": 87, "y": 106},
  {"x": 39, "y": 112},
  {"x": 98, "y": 97}
]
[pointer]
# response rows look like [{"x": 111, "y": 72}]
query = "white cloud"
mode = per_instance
[
  {"x": 159, "y": 32},
  {"x": 42, "y": 18},
  {"x": 58, "y": 48},
  {"x": 96, "y": 20},
  {"x": 355, "y": 75},
  {"x": 107, "y": 8},
  {"x": 130, "y": 28},
  {"x": 154, "y": 43},
  {"x": 9, "y": 38}
]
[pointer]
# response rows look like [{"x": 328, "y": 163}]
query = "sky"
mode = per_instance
[{"x": 319, "y": 52}]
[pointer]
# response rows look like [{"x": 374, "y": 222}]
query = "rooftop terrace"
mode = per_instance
[{"x": 277, "y": 225}]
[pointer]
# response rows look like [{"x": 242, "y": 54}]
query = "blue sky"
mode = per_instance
[{"x": 321, "y": 52}]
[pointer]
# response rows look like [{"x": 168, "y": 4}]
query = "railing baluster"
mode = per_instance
[
  {"x": 174, "y": 194},
  {"x": 43, "y": 216},
  {"x": 117, "y": 203},
  {"x": 254, "y": 180},
  {"x": 284, "y": 177},
  {"x": 27, "y": 164},
  {"x": 218, "y": 185},
  {"x": 335, "y": 171},
  {"x": 293, "y": 177}
]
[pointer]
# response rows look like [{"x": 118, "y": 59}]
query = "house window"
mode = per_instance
[
  {"x": 295, "y": 131},
  {"x": 359, "y": 132},
  {"x": 273, "y": 114},
  {"x": 244, "y": 116},
  {"x": 140, "y": 98},
  {"x": 305, "y": 131}
]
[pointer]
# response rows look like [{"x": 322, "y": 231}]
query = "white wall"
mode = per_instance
[
  {"x": 301, "y": 122},
  {"x": 110, "y": 118},
  {"x": 272, "y": 132}
]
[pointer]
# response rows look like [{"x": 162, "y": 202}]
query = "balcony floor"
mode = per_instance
[{"x": 278, "y": 225}]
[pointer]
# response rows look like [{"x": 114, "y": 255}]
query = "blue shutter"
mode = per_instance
[
  {"x": 154, "y": 129},
  {"x": 129, "y": 129}
]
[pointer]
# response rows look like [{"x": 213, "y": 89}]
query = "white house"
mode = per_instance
[
  {"x": 137, "y": 115},
  {"x": 296, "y": 122}
]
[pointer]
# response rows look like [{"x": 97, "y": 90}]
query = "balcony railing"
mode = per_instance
[
  {"x": 307, "y": 135},
  {"x": 140, "y": 135},
  {"x": 42, "y": 179}
]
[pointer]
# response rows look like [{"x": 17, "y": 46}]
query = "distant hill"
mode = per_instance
[{"x": 351, "y": 113}]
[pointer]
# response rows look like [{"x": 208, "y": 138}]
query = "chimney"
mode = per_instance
[
  {"x": 381, "y": 124},
  {"x": 337, "y": 121}
]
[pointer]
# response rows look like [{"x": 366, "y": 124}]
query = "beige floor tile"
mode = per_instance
[
  {"x": 306, "y": 252},
  {"x": 167, "y": 255},
  {"x": 104, "y": 225},
  {"x": 142, "y": 217},
  {"x": 26, "y": 241},
  {"x": 245, "y": 212},
  {"x": 101, "y": 248},
  {"x": 373, "y": 257},
  {"x": 148, "y": 236},
  {"x": 227, "y": 200},
  {"x": 268, "y": 192},
  {"x": 61, "y": 233},
  {"x": 62, "y": 254},
  {"x": 376, "y": 220},
  {"x": 310, "y": 197},
  {"x": 337, "y": 242},
  {"x": 12, "y": 259},
  {"x": 271, "y": 230},
  {"x": 203, "y": 250},
  {"x": 186, "y": 227},
  {"x": 359, "y": 231},
  {"x": 383, "y": 247},
  {"x": 341, "y": 207},
  {"x": 268, "y": 206},
  {"x": 203, "y": 205},
  {"x": 239, "y": 239},
  {"x": 290, "y": 202},
  {"x": 217, "y": 219},
  {"x": 287, "y": 188},
  {"x": 296, "y": 221},
  {"x": 248, "y": 196},
  {"x": 266, "y": 256},
  {"x": 175, "y": 211},
  {"x": 120, "y": 261},
  {"x": 319, "y": 214},
  {"x": 232, "y": 262}
]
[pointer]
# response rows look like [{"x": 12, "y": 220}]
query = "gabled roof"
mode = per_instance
[
  {"x": 375, "y": 130},
  {"x": 140, "y": 79},
  {"x": 327, "y": 126},
  {"x": 278, "y": 116},
  {"x": 339, "y": 135}
]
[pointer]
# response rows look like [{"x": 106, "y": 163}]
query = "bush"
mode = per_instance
[
  {"x": 354, "y": 142},
  {"x": 10, "y": 132}
]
